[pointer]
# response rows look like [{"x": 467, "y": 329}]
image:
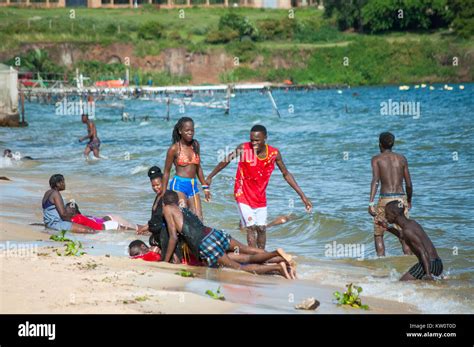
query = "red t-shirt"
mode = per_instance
[
  {"x": 150, "y": 256},
  {"x": 253, "y": 175},
  {"x": 83, "y": 220}
]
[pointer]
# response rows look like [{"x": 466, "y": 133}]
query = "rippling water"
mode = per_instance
[{"x": 327, "y": 139}]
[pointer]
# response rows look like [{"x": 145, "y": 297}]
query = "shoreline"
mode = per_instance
[{"x": 40, "y": 281}]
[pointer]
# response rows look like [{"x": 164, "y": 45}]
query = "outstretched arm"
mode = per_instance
[
  {"x": 288, "y": 176},
  {"x": 171, "y": 226},
  {"x": 408, "y": 184},
  {"x": 224, "y": 163},
  {"x": 374, "y": 185}
]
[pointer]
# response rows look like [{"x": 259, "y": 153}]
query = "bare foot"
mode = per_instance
[
  {"x": 284, "y": 255},
  {"x": 283, "y": 271}
]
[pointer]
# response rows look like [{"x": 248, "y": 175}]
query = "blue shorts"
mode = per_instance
[
  {"x": 214, "y": 246},
  {"x": 187, "y": 186}
]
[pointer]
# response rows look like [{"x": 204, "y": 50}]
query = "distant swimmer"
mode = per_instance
[
  {"x": 391, "y": 169},
  {"x": 256, "y": 162},
  {"x": 412, "y": 234},
  {"x": 94, "y": 141},
  {"x": 7, "y": 153}
]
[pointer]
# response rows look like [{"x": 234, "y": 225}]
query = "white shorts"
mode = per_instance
[
  {"x": 111, "y": 225},
  {"x": 252, "y": 216}
]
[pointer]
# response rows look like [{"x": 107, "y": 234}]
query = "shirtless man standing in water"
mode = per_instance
[
  {"x": 94, "y": 142},
  {"x": 391, "y": 169}
]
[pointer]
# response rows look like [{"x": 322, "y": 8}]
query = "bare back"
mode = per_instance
[
  {"x": 418, "y": 241},
  {"x": 391, "y": 168}
]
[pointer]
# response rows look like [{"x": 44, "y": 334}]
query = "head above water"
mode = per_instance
[
  {"x": 137, "y": 247},
  {"x": 386, "y": 140},
  {"x": 170, "y": 198},
  {"x": 84, "y": 117},
  {"x": 258, "y": 136},
  {"x": 7, "y": 153},
  {"x": 393, "y": 210},
  {"x": 184, "y": 129},
  {"x": 156, "y": 177},
  {"x": 57, "y": 182}
]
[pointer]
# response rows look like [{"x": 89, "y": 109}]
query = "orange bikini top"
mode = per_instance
[{"x": 183, "y": 160}]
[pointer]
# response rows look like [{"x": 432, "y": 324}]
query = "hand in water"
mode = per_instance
[{"x": 307, "y": 203}]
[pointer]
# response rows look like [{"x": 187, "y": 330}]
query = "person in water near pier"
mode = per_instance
[
  {"x": 54, "y": 211},
  {"x": 184, "y": 153},
  {"x": 256, "y": 163},
  {"x": 412, "y": 234},
  {"x": 391, "y": 169},
  {"x": 94, "y": 141},
  {"x": 217, "y": 248}
]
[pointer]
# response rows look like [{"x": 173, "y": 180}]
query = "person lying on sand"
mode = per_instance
[
  {"x": 96, "y": 223},
  {"x": 429, "y": 263},
  {"x": 217, "y": 248},
  {"x": 54, "y": 211},
  {"x": 139, "y": 250}
]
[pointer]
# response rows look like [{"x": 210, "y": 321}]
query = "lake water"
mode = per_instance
[{"x": 327, "y": 139}]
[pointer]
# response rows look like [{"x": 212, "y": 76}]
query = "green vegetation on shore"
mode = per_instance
[{"x": 269, "y": 45}]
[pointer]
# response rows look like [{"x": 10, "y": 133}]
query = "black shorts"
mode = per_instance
[{"x": 417, "y": 270}]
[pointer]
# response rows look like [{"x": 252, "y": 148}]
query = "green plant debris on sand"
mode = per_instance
[
  {"x": 351, "y": 297},
  {"x": 184, "y": 273},
  {"x": 217, "y": 295},
  {"x": 142, "y": 298},
  {"x": 60, "y": 237},
  {"x": 73, "y": 248}
]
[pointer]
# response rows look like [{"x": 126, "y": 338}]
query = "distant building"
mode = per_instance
[
  {"x": 9, "y": 115},
  {"x": 162, "y": 3}
]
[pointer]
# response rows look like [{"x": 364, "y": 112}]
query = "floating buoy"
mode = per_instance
[
  {"x": 423, "y": 85},
  {"x": 446, "y": 87},
  {"x": 461, "y": 87},
  {"x": 432, "y": 88},
  {"x": 339, "y": 91},
  {"x": 417, "y": 86},
  {"x": 404, "y": 87}
]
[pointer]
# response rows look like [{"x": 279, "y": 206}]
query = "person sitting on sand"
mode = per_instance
[
  {"x": 94, "y": 141},
  {"x": 429, "y": 263},
  {"x": 96, "y": 223},
  {"x": 54, "y": 212},
  {"x": 217, "y": 248}
]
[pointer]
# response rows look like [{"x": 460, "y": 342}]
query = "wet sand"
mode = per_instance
[{"x": 43, "y": 282}]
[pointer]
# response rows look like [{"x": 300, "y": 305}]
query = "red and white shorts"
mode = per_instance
[{"x": 252, "y": 216}]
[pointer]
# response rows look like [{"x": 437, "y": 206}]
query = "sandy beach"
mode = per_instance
[{"x": 36, "y": 280}]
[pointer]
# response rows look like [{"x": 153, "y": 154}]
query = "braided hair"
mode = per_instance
[{"x": 177, "y": 136}]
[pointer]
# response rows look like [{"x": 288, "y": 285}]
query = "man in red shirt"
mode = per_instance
[{"x": 256, "y": 163}]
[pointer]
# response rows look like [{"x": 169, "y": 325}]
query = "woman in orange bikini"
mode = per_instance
[{"x": 184, "y": 153}]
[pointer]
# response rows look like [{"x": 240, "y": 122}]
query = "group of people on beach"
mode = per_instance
[{"x": 176, "y": 228}]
